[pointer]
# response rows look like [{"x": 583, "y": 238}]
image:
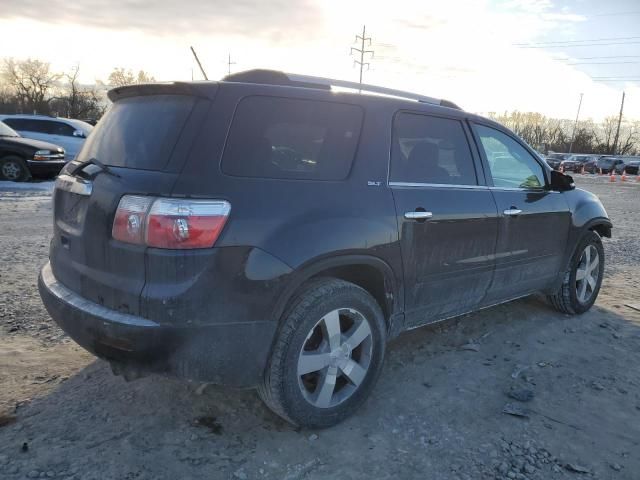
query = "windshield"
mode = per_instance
[{"x": 6, "y": 131}]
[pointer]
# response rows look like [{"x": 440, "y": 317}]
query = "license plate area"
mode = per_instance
[{"x": 70, "y": 210}]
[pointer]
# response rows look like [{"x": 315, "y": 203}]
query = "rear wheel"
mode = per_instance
[
  {"x": 328, "y": 354},
  {"x": 583, "y": 278},
  {"x": 13, "y": 168}
]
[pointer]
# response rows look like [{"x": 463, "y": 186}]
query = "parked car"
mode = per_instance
[
  {"x": 553, "y": 163},
  {"x": 22, "y": 158},
  {"x": 629, "y": 165},
  {"x": 554, "y": 159},
  {"x": 575, "y": 163},
  {"x": 70, "y": 134},
  {"x": 606, "y": 165},
  {"x": 591, "y": 165},
  {"x": 265, "y": 231}
]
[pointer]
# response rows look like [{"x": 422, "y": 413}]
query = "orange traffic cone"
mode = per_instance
[
  {"x": 612, "y": 177},
  {"x": 623, "y": 178}
]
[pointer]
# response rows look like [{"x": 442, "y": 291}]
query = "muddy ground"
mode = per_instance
[{"x": 436, "y": 413}]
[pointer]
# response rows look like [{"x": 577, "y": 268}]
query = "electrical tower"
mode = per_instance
[
  {"x": 362, "y": 38},
  {"x": 229, "y": 63}
]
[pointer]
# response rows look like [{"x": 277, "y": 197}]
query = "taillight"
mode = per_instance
[
  {"x": 169, "y": 223},
  {"x": 131, "y": 216}
]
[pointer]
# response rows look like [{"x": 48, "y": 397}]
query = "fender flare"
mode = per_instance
[{"x": 393, "y": 288}]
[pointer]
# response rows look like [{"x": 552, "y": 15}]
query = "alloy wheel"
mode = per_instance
[
  {"x": 11, "y": 170},
  {"x": 335, "y": 358},
  {"x": 587, "y": 274}
]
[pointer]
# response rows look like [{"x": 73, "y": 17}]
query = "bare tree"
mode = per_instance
[
  {"x": 32, "y": 82},
  {"x": 120, "y": 77},
  {"x": 629, "y": 138},
  {"x": 76, "y": 100}
]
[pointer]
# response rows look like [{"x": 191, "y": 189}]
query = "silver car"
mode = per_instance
[{"x": 68, "y": 133}]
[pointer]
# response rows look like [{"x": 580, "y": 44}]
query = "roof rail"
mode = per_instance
[
  {"x": 308, "y": 81},
  {"x": 366, "y": 88}
]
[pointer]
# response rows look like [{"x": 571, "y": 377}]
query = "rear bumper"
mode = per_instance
[{"x": 232, "y": 354}]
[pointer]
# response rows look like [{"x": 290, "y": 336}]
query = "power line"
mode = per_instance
[
  {"x": 617, "y": 77},
  {"x": 597, "y": 58},
  {"x": 604, "y": 63},
  {"x": 584, "y": 45},
  {"x": 635, "y": 12},
  {"x": 363, "y": 38},
  {"x": 578, "y": 41},
  {"x": 580, "y": 45}
]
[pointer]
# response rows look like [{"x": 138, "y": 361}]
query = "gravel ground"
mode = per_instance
[{"x": 540, "y": 396}]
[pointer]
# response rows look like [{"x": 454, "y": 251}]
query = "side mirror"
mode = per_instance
[
  {"x": 561, "y": 182},
  {"x": 78, "y": 133}
]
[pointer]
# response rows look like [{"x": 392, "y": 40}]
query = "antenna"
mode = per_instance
[{"x": 199, "y": 64}]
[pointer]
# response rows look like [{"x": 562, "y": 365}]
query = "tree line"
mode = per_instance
[
  {"x": 31, "y": 86},
  {"x": 555, "y": 135}
]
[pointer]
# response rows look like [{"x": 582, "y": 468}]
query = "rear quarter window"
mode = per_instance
[{"x": 285, "y": 138}]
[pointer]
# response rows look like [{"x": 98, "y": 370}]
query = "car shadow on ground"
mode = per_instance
[{"x": 437, "y": 412}]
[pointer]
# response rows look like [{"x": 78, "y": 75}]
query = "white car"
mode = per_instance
[{"x": 68, "y": 133}]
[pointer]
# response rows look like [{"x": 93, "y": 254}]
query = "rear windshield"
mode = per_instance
[
  {"x": 287, "y": 138},
  {"x": 139, "y": 132}
]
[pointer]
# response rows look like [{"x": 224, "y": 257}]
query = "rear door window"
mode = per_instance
[
  {"x": 288, "y": 138},
  {"x": 59, "y": 128},
  {"x": 26, "y": 125},
  {"x": 139, "y": 132},
  {"x": 431, "y": 150}
]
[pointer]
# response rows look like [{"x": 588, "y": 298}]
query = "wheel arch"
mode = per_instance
[
  {"x": 600, "y": 225},
  {"x": 368, "y": 272}
]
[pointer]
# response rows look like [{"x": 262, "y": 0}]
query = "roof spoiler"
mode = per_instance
[
  {"x": 273, "y": 77},
  {"x": 161, "y": 88}
]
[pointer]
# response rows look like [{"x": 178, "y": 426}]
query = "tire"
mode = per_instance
[
  {"x": 323, "y": 397},
  {"x": 14, "y": 168},
  {"x": 576, "y": 296}
]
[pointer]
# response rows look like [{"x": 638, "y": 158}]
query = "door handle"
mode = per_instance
[
  {"x": 511, "y": 212},
  {"x": 418, "y": 215}
]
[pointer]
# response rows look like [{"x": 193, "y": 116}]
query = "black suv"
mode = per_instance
[{"x": 265, "y": 231}]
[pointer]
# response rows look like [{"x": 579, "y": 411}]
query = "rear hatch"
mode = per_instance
[{"x": 139, "y": 147}]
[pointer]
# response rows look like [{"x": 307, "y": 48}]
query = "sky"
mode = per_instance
[{"x": 485, "y": 55}]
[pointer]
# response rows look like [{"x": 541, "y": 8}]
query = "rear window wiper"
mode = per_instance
[{"x": 101, "y": 166}]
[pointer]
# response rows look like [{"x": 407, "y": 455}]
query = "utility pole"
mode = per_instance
[
  {"x": 362, "y": 38},
  {"x": 615, "y": 141},
  {"x": 575, "y": 125},
  {"x": 199, "y": 64},
  {"x": 229, "y": 63}
]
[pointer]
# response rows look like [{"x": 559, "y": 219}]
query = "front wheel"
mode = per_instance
[
  {"x": 583, "y": 278},
  {"x": 13, "y": 168},
  {"x": 328, "y": 354}
]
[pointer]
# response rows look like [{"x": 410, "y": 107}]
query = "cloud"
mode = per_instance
[{"x": 243, "y": 17}]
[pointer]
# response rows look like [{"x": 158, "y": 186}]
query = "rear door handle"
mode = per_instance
[
  {"x": 418, "y": 215},
  {"x": 512, "y": 212}
]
